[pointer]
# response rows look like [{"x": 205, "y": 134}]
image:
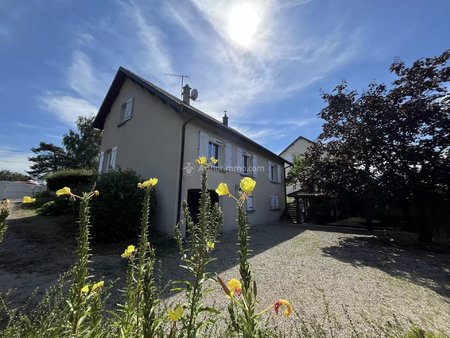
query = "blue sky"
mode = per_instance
[{"x": 58, "y": 57}]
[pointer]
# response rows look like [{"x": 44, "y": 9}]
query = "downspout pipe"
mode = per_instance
[{"x": 180, "y": 176}]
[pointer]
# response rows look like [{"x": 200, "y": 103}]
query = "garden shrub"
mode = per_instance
[
  {"x": 70, "y": 178},
  {"x": 116, "y": 212}
]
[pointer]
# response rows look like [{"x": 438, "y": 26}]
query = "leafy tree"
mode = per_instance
[
  {"x": 82, "y": 146},
  {"x": 298, "y": 165},
  {"x": 387, "y": 144},
  {"x": 8, "y": 175},
  {"x": 49, "y": 158}
]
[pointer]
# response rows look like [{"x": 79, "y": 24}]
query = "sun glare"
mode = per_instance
[{"x": 242, "y": 24}]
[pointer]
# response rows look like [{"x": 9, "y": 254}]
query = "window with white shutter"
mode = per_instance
[
  {"x": 203, "y": 144},
  {"x": 274, "y": 202},
  {"x": 250, "y": 205},
  {"x": 228, "y": 163},
  {"x": 100, "y": 162},
  {"x": 240, "y": 160},
  {"x": 279, "y": 173},
  {"x": 112, "y": 159},
  {"x": 126, "y": 110},
  {"x": 255, "y": 166}
]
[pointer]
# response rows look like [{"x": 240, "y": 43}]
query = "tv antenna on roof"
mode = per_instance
[{"x": 182, "y": 76}]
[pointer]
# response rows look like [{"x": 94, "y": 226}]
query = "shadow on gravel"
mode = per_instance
[
  {"x": 37, "y": 249},
  {"x": 263, "y": 238},
  {"x": 428, "y": 268}
]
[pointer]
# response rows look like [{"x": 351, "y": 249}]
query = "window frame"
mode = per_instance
[{"x": 124, "y": 118}]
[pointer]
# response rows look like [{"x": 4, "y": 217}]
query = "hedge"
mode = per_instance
[{"x": 70, "y": 178}]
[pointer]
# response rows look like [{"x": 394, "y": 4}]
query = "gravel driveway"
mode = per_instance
[{"x": 346, "y": 273}]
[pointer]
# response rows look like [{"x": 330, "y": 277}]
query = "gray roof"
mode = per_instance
[{"x": 177, "y": 104}]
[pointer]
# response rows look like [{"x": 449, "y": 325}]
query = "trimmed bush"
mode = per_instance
[
  {"x": 116, "y": 213},
  {"x": 70, "y": 178}
]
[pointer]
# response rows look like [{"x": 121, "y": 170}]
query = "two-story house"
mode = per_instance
[{"x": 158, "y": 135}]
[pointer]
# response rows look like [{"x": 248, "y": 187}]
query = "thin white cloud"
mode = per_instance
[
  {"x": 88, "y": 88},
  {"x": 82, "y": 78},
  {"x": 85, "y": 39},
  {"x": 67, "y": 108},
  {"x": 26, "y": 125},
  {"x": 152, "y": 56}
]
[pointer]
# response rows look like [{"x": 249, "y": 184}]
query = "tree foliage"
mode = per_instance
[
  {"x": 82, "y": 146},
  {"x": 80, "y": 150},
  {"x": 387, "y": 144},
  {"x": 8, "y": 175},
  {"x": 49, "y": 158}
]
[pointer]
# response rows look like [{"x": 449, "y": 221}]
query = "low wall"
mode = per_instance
[{"x": 16, "y": 190}]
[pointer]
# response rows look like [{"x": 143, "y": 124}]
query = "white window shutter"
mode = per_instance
[
  {"x": 203, "y": 144},
  {"x": 240, "y": 162},
  {"x": 100, "y": 162},
  {"x": 255, "y": 165},
  {"x": 227, "y": 155},
  {"x": 272, "y": 202},
  {"x": 249, "y": 203},
  {"x": 112, "y": 161},
  {"x": 279, "y": 173},
  {"x": 269, "y": 171},
  {"x": 277, "y": 202},
  {"x": 129, "y": 108}
]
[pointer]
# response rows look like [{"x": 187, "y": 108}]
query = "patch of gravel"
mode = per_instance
[{"x": 347, "y": 273}]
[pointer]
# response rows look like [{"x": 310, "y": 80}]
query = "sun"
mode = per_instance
[{"x": 242, "y": 23}]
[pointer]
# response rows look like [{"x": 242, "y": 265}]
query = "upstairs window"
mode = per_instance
[
  {"x": 274, "y": 172},
  {"x": 214, "y": 151},
  {"x": 126, "y": 110},
  {"x": 247, "y": 163}
]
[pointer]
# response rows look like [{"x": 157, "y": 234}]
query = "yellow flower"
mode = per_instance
[
  {"x": 96, "y": 192},
  {"x": 128, "y": 251},
  {"x": 213, "y": 160},
  {"x": 201, "y": 160},
  {"x": 85, "y": 289},
  {"x": 285, "y": 303},
  {"x": 28, "y": 199},
  {"x": 63, "y": 191},
  {"x": 175, "y": 314},
  {"x": 211, "y": 245},
  {"x": 222, "y": 190},
  {"x": 248, "y": 185},
  {"x": 235, "y": 287},
  {"x": 151, "y": 182},
  {"x": 97, "y": 285}
]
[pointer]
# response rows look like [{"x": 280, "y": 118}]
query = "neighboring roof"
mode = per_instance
[
  {"x": 177, "y": 104},
  {"x": 298, "y": 138}
]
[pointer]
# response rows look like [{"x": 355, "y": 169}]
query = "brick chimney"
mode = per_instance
[
  {"x": 187, "y": 94},
  {"x": 225, "y": 119}
]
